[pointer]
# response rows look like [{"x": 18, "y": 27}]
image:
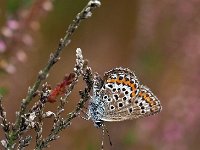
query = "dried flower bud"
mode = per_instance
[{"x": 61, "y": 87}]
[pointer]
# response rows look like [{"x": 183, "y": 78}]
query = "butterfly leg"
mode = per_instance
[
  {"x": 104, "y": 128},
  {"x": 86, "y": 115}
]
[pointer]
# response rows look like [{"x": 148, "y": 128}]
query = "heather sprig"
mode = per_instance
[{"x": 31, "y": 118}]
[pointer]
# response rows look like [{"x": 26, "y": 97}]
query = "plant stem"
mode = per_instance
[{"x": 84, "y": 14}]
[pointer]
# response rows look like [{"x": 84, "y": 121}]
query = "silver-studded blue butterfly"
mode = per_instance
[{"x": 120, "y": 96}]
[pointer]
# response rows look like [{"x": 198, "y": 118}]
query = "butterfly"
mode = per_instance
[{"x": 119, "y": 96}]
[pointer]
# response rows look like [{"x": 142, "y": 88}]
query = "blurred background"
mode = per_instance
[{"x": 159, "y": 40}]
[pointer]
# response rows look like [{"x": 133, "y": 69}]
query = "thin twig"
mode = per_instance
[
  {"x": 62, "y": 124},
  {"x": 79, "y": 68},
  {"x": 5, "y": 125},
  {"x": 59, "y": 122}
]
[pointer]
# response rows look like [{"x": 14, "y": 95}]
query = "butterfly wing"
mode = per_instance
[
  {"x": 124, "y": 98},
  {"x": 120, "y": 87}
]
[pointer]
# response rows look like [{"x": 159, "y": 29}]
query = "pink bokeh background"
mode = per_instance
[{"x": 159, "y": 40}]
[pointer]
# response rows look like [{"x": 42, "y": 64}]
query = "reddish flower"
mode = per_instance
[{"x": 61, "y": 87}]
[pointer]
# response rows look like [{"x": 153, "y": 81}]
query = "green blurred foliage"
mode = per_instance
[
  {"x": 152, "y": 61},
  {"x": 3, "y": 91},
  {"x": 129, "y": 138},
  {"x": 14, "y": 5},
  {"x": 91, "y": 146}
]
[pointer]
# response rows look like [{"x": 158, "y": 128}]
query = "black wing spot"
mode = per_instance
[
  {"x": 116, "y": 97},
  {"x": 120, "y": 105},
  {"x": 135, "y": 86},
  {"x": 130, "y": 110},
  {"x": 114, "y": 89},
  {"x": 127, "y": 79},
  {"x": 112, "y": 107},
  {"x": 110, "y": 86},
  {"x": 131, "y": 95},
  {"x": 105, "y": 97},
  {"x": 109, "y": 99},
  {"x": 120, "y": 77},
  {"x": 114, "y": 77},
  {"x": 124, "y": 98}
]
